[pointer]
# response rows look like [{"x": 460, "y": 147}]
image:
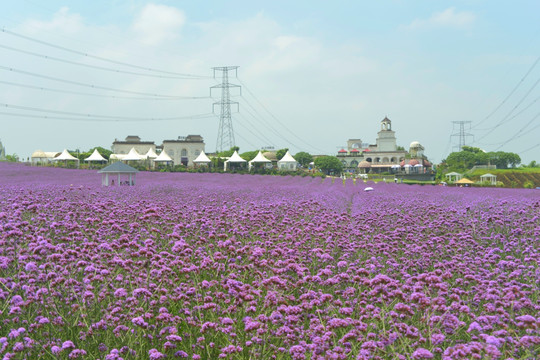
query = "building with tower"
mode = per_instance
[{"x": 384, "y": 155}]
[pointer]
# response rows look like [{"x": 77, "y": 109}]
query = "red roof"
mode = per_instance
[
  {"x": 355, "y": 150},
  {"x": 342, "y": 151},
  {"x": 366, "y": 150}
]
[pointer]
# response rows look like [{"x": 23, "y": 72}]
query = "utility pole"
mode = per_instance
[
  {"x": 461, "y": 134},
  {"x": 225, "y": 138}
]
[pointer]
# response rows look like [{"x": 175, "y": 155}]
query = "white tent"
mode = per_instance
[
  {"x": 150, "y": 154},
  {"x": 66, "y": 156},
  {"x": 234, "y": 159},
  {"x": 202, "y": 159},
  {"x": 163, "y": 157},
  {"x": 133, "y": 155},
  {"x": 287, "y": 162},
  {"x": 96, "y": 156},
  {"x": 260, "y": 159}
]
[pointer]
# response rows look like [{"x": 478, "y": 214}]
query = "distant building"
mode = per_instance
[
  {"x": 384, "y": 155},
  {"x": 184, "y": 150},
  {"x": 132, "y": 141}
]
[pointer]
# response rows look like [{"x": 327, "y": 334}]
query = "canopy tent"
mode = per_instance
[
  {"x": 66, "y": 156},
  {"x": 260, "y": 159},
  {"x": 492, "y": 179},
  {"x": 118, "y": 169},
  {"x": 164, "y": 158},
  {"x": 287, "y": 162},
  {"x": 464, "y": 181},
  {"x": 96, "y": 156},
  {"x": 453, "y": 177},
  {"x": 133, "y": 155},
  {"x": 234, "y": 159},
  {"x": 150, "y": 154},
  {"x": 202, "y": 159}
]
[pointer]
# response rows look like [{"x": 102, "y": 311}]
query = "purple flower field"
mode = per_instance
[{"x": 211, "y": 266}]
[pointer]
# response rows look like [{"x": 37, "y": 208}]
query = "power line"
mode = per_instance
[
  {"x": 511, "y": 92},
  {"x": 515, "y": 136},
  {"x": 190, "y": 117},
  {"x": 84, "y": 84},
  {"x": 276, "y": 119},
  {"x": 93, "y": 116},
  {"x": 512, "y": 110},
  {"x": 41, "y": 88},
  {"x": 529, "y": 149},
  {"x": 99, "y": 57},
  {"x": 97, "y": 67}
]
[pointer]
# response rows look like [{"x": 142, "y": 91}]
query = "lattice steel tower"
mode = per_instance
[
  {"x": 461, "y": 133},
  {"x": 225, "y": 138}
]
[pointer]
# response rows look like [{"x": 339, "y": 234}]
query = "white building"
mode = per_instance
[
  {"x": 184, "y": 150},
  {"x": 384, "y": 155},
  {"x": 132, "y": 141}
]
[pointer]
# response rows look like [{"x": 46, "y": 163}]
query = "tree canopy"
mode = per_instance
[
  {"x": 329, "y": 164},
  {"x": 249, "y": 155},
  {"x": 281, "y": 153},
  {"x": 471, "y": 156},
  {"x": 303, "y": 158}
]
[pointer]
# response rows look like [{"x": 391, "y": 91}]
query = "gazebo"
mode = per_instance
[
  {"x": 364, "y": 166},
  {"x": 260, "y": 159},
  {"x": 121, "y": 170},
  {"x": 287, "y": 162},
  {"x": 492, "y": 179},
  {"x": 234, "y": 159},
  {"x": 66, "y": 156},
  {"x": 96, "y": 157},
  {"x": 453, "y": 177},
  {"x": 202, "y": 159}
]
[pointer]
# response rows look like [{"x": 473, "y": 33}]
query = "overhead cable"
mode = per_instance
[
  {"x": 97, "y": 67},
  {"x": 84, "y": 84},
  {"x": 510, "y": 94},
  {"x": 93, "y": 116},
  {"x": 42, "y": 88},
  {"x": 99, "y": 57}
]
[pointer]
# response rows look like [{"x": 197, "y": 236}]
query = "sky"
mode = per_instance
[{"x": 312, "y": 74}]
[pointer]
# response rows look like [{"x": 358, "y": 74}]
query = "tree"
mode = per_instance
[
  {"x": 228, "y": 153},
  {"x": 303, "y": 158},
  {"x": 329, "y": 164},
  {"x": 12, "y": 158},
  {"x": 281, "y": 153},
  {"x": 461, "y": 160},
  {"x": 504, "y": 160},
  {"x": 249, "y": 155}
]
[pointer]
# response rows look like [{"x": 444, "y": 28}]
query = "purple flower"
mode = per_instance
[{"x": 422, "y": 353}]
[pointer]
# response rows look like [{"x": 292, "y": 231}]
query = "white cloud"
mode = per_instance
[
  {"x": 447, "y": 18},
  {"x": 62, "y": 21},
  {"x": 156, "y": 24}
]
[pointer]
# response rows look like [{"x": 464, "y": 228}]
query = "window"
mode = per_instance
[{"x": 184, "y": 153}]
